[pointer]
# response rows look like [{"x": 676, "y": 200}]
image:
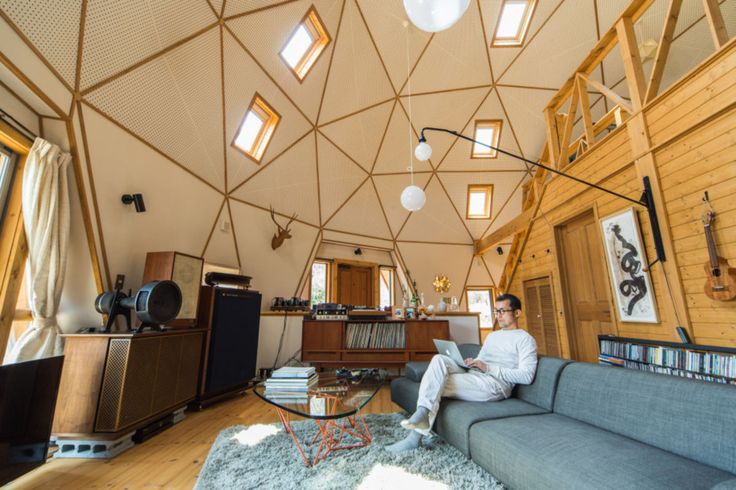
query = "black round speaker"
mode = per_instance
[{"x": 155, "y": 303}]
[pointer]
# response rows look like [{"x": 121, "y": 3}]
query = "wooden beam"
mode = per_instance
[
  {"x": 607, "y": 92},
  {"x": 632, "y": 61},
  {"x": 663, "y": 50},
  {"x": 553, "y": 145},
  {"x": 585, "y": 109},
  {"x": 514, "y": 226},
  {"x": 716, "y": 23},
  {"x": 567, "y": 132}
]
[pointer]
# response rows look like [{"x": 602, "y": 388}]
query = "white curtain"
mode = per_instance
[{"x": 46, "y": 219}]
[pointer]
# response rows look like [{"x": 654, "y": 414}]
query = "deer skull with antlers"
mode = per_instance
[{"x": 283, "y": 232}]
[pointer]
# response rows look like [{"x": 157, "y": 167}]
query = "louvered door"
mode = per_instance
[{"x": 540, "y": 315}]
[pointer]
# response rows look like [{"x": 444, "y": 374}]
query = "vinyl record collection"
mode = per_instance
[{"x": 375, "y": 336}]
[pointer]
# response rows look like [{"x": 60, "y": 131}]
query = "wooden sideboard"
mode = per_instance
[
  {"x": 364, "y": 343},
  {"x": 117, "y": 383}
]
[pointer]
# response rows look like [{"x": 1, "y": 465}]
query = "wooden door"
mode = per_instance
[
  {"x": 585, "y": 288},
  {"x": 355, "y": 285},
  {"x": 540, "y": 315}
]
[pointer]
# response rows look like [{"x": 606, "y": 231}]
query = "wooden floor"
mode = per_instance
[{"x": 171, "y": 459}]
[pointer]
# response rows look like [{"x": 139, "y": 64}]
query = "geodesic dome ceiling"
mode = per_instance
[{"x": 163, "y": 85}]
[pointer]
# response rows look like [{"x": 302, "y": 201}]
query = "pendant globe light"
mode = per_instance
[
  {"x": 435, "y": 15},
  {"x": 413, "y": 197}
]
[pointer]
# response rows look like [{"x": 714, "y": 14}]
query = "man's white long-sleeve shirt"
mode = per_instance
[{"x": 511, "y": 357}]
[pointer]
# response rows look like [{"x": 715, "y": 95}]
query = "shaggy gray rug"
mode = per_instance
[{"x": 265, "y": 457}]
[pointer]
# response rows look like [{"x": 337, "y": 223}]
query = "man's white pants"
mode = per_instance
[{"x": 445, "y": 378}]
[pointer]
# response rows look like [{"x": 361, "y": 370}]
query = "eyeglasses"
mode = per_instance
[{"x": 501, "y": 311}]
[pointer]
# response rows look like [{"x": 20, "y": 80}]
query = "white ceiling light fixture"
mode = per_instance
[
  {"x": 413, "y": 197},
  {"x": 435, "y": 15}
]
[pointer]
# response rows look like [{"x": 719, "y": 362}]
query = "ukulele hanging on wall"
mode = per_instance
[{"x": 721, "y": 278}]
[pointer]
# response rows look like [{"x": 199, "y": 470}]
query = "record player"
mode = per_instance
[{"x": 330, "y": 311}]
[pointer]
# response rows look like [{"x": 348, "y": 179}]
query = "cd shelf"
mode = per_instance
[{"x": 707, "y": 363}]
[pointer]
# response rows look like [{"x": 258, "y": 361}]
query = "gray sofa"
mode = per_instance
[{"x": 586, "y": 426}]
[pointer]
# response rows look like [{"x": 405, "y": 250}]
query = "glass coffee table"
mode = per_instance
[{"x": 334, "y": 405}]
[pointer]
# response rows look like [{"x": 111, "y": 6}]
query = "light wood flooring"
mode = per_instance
[{"x": 171, "y": 459}]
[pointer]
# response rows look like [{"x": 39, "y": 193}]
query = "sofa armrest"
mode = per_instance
[{"x": 415, "y": 370}]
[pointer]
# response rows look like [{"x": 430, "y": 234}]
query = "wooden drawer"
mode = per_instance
[
  {"x": 316, "y": 356},
  {"x": 420, "y": 333},
  {"x": 322, "y": 335},
  {"x": 374, "y": 356}
]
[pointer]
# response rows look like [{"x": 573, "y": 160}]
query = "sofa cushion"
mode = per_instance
[
  {"x": 695, "y": 419},
  {"x": 415, "y": 370},
  {"x": 542, "y": 390},
  {"x": 404, "y": 392},
  {"x": 554, "y": 451},
  {"x": 456, "y": 417}
]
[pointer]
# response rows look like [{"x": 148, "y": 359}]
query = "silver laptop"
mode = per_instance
[{"x": 449, "y": 348}]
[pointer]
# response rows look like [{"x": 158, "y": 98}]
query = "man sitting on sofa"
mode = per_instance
[{"x": 508, "y": 357}]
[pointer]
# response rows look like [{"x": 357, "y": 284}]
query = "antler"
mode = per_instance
[
  {"x": 293, "y": 217},
  {"x": 273, "y": 218}
]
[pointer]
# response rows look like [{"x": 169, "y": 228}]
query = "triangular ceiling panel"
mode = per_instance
[
  {"x": 289, "y": 183},
  {"x": 507, "y": 209},
  {"x": 425, "y": 261},
  {"x": 339, "y": 177},
  {"x": 390, "y": 188},
  {"x": 552, "y": 64},
  {"x": 240, "y": 7},
  {"x": 479, "y": 274},
  {"x": 265, "y": 34},
  {"x": 457, "y": 187},
  {"x": 170, "y": 194},
  {"x": 386, "y": 22},
  {"x": 459, "y": 158},
  {"x": 359, "y": 135},
  {"x": 437, "y": 221},
  {"x": 216, "y": 6},
  {"x": 398, "y": 147},
  {"x": 274, "y": 272},
  {"x": 221, "y": 246},
  {"x": 525, "y": 109},
  {"x": 38, "y": 18},
  {"x": 502, "y": 57},
  {"x": 496, "y": 262},
  {"x": 243, "y": 79},
  {"x": 357, "y": 77},
  {"x": 450, "y": 110},
  {"x": 361, "y": 215},
  {"x": 341, "y": 237},
  {"x": 119, "y": 34},
  {"x": 455, "y": 58},
  {"x": 174, "y": 103}
]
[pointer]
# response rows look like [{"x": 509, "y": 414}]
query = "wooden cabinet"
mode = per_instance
[
  {"x": 116, "y": 383},
  {"x": 334, "y": 343}
]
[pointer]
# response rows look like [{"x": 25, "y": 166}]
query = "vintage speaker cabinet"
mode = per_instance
[
  {"x": 232, "y": 319},
  {"x": 115, "y": 383},
  {"x": 186, "y": 271}
]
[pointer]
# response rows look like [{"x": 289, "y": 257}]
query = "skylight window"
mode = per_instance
[
  {"x": 488, "y": 132},
  {"x": 256, "y": 129},
  {"x": 513, "y": 22},
  {"x": 479, "y": 201},
  {"x": 305, "y": 44}
]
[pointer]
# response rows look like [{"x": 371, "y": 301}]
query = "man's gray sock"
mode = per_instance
[
  {"x": 421, "y": 415},
  {"x": 412, "y": 441}
]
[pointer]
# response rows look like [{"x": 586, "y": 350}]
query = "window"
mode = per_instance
[
  {"x": 7, "y": 170},
  {"x": 480, "y": 300},
  {"x": 319, "y": 282},
  {"x": 479, "y": 201},
  {"x": 256, "y": 129},
  {"x": 386, "y": 286},
  {"x": 305, "y": 44},
  {"x": 489, "y": 133},
  {"x": 513, "y": 22}
]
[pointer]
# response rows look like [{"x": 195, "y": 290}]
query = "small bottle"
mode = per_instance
[{"x": 421, "y": 298}]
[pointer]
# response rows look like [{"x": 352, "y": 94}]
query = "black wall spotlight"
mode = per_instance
[
  {"x": 137, "y": 199},
  {"x": 358, "y": 251},
  {"x": 499, "y": 250}
]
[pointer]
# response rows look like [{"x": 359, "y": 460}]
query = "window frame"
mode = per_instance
[
  {"x": 321, "y": 39},
  {"x": 492, "y": 295},
  {"x": 488, "y": 208},
  {"x": 497, "y": 125},
  {"x": 520, "y": 38},
  {"x": 392, "y": 285},
  {"x": 328, "y": 279},
  {"x": 13, "y": 245},
  {"x": 271, "y": 120}
]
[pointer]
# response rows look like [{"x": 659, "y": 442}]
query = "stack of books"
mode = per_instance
[{"x": 291, "y": 384}]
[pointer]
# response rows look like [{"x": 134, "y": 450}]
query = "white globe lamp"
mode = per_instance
[
  {"x": 413, "y": 198},
  {"x": 435, "y": 15},
  {"x": 423, "y": 152}
]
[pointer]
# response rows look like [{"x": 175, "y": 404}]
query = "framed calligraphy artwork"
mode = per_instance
[{"x": 627, "y": 267}]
